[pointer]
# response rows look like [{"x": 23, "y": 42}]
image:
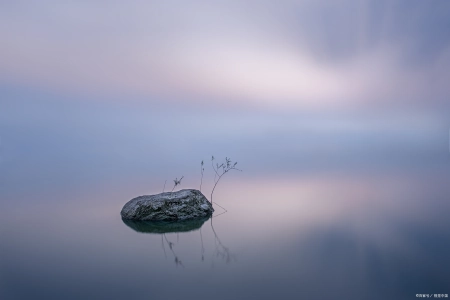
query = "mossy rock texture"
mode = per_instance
[{"x": 170, "y": 206}]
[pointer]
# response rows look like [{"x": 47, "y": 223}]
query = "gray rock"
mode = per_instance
[{"x": 181, "y": 205}]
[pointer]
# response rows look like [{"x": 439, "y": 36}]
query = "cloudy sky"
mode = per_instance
[
  {"x": 283, "y": 54},
  {"x": 298, "y": 85}
]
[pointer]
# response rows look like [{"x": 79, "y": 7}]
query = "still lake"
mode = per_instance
[
  {"x": 320, "y": 211},
  {"x": 321, "y": 238}
]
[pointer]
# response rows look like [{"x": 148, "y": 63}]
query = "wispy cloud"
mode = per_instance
[{"x": 292, "y": 54}]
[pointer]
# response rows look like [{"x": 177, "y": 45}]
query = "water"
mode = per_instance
[
  {"x": 318, "y": 215},
  {"x": 321, "y": 238}
]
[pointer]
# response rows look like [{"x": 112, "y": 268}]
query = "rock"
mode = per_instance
[{"x": 181, "y": 205}]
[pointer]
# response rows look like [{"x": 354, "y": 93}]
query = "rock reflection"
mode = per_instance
[{"x": 162, "y": 228}]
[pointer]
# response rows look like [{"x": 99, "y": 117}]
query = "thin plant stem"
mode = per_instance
[
  {"x": 225, "y": 167},
  {"x": 201, "y": 179},
  {"x": 176, "y": 182}
]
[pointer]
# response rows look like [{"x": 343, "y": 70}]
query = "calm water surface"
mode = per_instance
[
  {"x": 324, "y": 237},
  {"x": 324, "y": 209}
]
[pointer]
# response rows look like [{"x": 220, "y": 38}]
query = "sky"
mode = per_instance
[
  {"x": 285, "y": 86},
  {"x": 284, "y": 54}
]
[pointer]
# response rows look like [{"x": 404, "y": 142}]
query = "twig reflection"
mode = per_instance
[
  {"x": 178, "y": 262},
  {"x": 221, "y": 251},
  {"x": 203, "y": 248},
  {"x": 163, "y": 228}
]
